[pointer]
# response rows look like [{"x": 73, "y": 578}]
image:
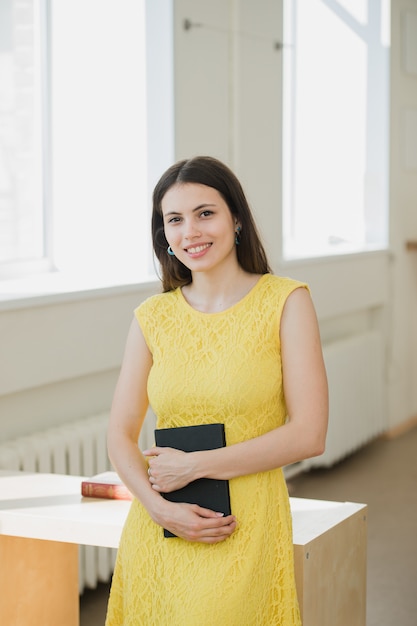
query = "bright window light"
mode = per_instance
[
  {"x": 21, "y": 206},
  {"x": 99, "y": 140},
  {"x": 336, "y": 127},
  {"x": 86, "y": 127}
]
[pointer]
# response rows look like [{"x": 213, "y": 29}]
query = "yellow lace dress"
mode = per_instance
[{"x": 217, "y": 367}]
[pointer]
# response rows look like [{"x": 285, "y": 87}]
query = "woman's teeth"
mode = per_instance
[{"x": 198, "y": 249}]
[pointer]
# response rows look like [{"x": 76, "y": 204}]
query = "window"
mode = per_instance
[
  {"x": 21, "y": 204},
  {"x": 336, "y": 126},
  {"x": 83, "y": 111}
]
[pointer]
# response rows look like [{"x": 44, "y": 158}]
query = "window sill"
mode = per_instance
[
  {"x": 340, "y": 255},
  {"x": 52, "y": 288}
]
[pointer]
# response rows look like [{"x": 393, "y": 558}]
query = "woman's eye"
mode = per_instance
[
  {"x": 206, "y": 213},
  {"x": 173, "y": 220}
]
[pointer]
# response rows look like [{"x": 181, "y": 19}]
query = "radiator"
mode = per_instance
[
  {"x": 355, "y": 371},
  {"x": 78, "y": 449}
]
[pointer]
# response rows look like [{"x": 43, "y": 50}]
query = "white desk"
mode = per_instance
[{"x": 43, "y": 518}]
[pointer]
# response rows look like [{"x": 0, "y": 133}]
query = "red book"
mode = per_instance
[{"x": 106, "y": 485}]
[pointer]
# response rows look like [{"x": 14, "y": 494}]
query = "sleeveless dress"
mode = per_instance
[{"x": 214, "y": 367}]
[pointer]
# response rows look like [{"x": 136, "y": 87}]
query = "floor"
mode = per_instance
[{"x": 384, "y": 476}]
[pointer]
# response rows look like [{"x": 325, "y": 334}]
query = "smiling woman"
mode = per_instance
[
  {"x": 226, "y": 343},
  {"x": 217, "y": 189}
]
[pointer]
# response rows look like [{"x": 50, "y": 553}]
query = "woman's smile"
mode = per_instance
[{"x": 196, "y": 251}]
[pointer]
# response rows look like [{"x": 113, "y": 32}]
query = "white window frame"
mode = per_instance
[
  {"x": 33, "y": 277},
  {"x": 296, "y": 244}
]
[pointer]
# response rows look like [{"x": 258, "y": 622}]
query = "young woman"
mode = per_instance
[{"x": 225, "y": 342}]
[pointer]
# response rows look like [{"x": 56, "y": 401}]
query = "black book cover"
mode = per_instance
[{"x": 206, "y": 492}]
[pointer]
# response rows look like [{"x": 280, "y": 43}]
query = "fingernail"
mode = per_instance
[{"x": 220, "y": 514}]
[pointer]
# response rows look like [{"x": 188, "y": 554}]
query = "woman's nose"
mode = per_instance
[{"x": 191, "y": 230}]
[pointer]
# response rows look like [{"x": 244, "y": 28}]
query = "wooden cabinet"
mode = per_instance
[{"x": 330, "y": 552}]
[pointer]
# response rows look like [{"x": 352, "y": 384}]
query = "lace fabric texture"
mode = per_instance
[{"x": 220, "y": 367}]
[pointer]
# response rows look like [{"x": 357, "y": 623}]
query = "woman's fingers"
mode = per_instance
[
  {"x": 195, "y": 523},
  {"x": 169, "y": 469}
]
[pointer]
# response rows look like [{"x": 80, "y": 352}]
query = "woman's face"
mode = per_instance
[{"x": 199, "y": 226}]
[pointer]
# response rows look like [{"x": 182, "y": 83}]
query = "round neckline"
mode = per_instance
[{"x": 230, "y": 308}]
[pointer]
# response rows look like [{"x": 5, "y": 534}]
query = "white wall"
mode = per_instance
[
  {"x": 228, "y": 96},
  {"x": 402, "y": 377},
  {"x": 59, "y": 358}
]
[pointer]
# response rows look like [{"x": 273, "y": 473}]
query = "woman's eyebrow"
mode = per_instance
[{"x": 197, "y": 208}]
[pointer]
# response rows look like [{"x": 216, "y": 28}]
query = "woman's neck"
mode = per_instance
[{"x": 213, "y": 294}]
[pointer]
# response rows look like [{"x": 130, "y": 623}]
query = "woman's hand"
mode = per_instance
[
  {"x": 194, "y": 523},
  {"x": 169, "y": 469}
]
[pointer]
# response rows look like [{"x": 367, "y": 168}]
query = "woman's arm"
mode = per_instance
[
  {"x": 304, "y": 434},
  {"x": 127, "y": 415}
]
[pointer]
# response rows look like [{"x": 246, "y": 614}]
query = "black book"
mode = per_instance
[{"x": 206, "y": 492}]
